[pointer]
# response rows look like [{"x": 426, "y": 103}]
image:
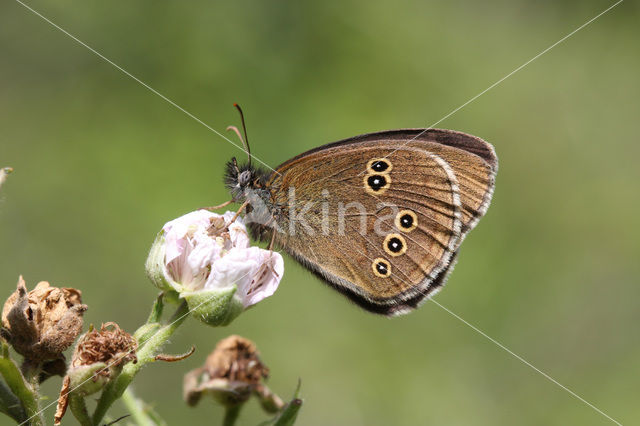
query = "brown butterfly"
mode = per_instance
[{"x": 380, "y": 217}]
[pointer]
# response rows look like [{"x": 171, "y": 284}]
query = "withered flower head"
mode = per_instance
[
  {"x": 42, "y": 323},
  {"x": 231, "y": 374},
  {"x": 111, "y": 346},
  {"x": 98, "y": 358},
  {"x": 236, "y": 359}
]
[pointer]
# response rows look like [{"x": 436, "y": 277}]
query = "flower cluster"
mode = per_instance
[{"x": 203, "y": 258}]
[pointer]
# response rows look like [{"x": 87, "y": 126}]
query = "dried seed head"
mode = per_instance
[
  {"x": 111, "y": 345},
  {"x": 97, "y": 359},
  {"x": 42, "y": 323},
  {"x": 236, "y": 359},
  {"x": 231, "y": 374}
]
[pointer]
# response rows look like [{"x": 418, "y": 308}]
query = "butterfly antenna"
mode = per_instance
[{"x": 245, "y": 141}]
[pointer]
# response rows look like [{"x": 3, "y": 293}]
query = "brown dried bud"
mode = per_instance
[
  {"x": 231, "y": 374},
  {"x": 42, "y": 323},
  {"x": 236, "y": 359}
]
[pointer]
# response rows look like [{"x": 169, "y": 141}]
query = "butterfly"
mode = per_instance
[{"x": 379, "y": 217}]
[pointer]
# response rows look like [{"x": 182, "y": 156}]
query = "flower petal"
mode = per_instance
[
  {"x": 265, "y": 281},
  {"x": 237, "y": 231},
  {"x": 256, "y": 273},
  {"x": 237, "y": 267},
  {"x": 177, "y": 229}
]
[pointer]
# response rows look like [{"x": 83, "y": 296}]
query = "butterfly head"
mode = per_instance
[{"x": 240, "y": 179}]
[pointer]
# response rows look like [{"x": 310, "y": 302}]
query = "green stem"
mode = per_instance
[
  {"x": 231, "y": 415},
  {"x": 136, "y": 409},
  {"x": 145, "y": 354},
  {"x": 33, "y": 378},
  {"x": 79, "y": 410}
]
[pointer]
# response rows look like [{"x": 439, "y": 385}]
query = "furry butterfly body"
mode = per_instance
[{"x": 380, "y": 217}]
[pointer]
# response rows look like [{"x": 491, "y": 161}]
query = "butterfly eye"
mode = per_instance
[
  {"x": 379, "y": 165},
  {"x": 244, "y": 178},
  {"x": 395, "y": 245},
  {"x": 406, "y": 220},
  {"x": 377, "y": 183},
  {"x": 381, "y": 267}
]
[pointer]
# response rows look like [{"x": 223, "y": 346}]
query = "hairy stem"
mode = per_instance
[
  {"x": 136, "y": 409},
  {"x": 146, "y": 354},
  {"x": 79, "y": 410}
]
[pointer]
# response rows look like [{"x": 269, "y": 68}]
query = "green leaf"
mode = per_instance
[
  {"x": 156, "y": 310},
  {"x": 155, "y": 264},
  {"x": 290, "y": 411},
  {"x": 10, "y": 404},
  {"x": 20, "y": 388}
]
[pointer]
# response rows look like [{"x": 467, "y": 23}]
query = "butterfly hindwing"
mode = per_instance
[{"x": 381, "y": 216}]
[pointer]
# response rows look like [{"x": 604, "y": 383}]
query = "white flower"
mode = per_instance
[{"x": 208, "y": 260}]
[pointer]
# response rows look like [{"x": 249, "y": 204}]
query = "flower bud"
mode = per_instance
[
  {"x": 207, "y": 259},
  {"x": 42, "y": 323},
  {"x": 232, "y": 373}
]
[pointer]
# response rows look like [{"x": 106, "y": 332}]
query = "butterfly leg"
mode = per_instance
[
  {"x": 260, "y": 276},
  {"x": 218, "y": 207},
  {"x": 242, "y": 207},
  {"x": 273, "y": 239},
  {"x": 267, "y": 266}
]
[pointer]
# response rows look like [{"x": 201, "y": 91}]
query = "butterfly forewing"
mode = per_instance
[{"x": 472, "y": 160}]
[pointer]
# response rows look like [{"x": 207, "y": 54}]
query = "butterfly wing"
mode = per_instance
[{"x": 381, "y": 216}]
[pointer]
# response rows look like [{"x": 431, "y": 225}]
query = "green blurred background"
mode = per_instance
[{"x": 551, "y": 271}]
